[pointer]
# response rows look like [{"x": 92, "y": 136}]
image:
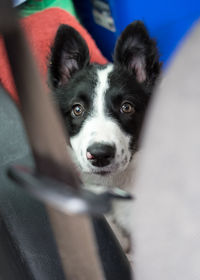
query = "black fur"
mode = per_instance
[
  {"x": 124, "y": 87},
  {"x": 80, "y": 89}
]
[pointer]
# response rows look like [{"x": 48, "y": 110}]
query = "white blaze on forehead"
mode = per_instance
[
  {"x": 100, "y": 90},
  {"x": 99, "y": 123}
]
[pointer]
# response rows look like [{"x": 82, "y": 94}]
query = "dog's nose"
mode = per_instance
[{"x": 100, "y": 154}]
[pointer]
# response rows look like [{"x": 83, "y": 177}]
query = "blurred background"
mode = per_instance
[{"x": 167, "y": 21}]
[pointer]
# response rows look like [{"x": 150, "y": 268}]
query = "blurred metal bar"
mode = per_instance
[
  {"x": 48, "y": 141},
  {"x": 62, "y": 196},
  {"x": 166, "y": 212},
  {"x": 42, "y": 122}
]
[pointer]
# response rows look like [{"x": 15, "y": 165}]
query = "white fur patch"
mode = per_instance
[{"x": 102, "y": 86}]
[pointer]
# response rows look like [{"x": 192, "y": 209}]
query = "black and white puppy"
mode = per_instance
[{"x": 104, "y": 105}]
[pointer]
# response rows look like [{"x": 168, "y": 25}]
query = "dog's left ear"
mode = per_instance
[
  {"x": 137, "y": 52},
  {"x": 69, "y": 54}
]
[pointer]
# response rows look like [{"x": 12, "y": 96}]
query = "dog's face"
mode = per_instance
[{"x": 103, "y": 106}]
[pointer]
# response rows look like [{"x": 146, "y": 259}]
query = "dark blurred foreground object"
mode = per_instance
[
  {"x": 168, "y": 23},
  {"x": 27, "y": 245},
  {"x": 166, "y": 212},
  {"x": 73, "y": 234}
]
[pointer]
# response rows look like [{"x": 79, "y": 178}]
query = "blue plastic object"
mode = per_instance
[{"x": 167, "y": 21}]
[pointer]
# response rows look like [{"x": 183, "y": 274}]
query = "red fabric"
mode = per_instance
[{"x": 40, "y": 29}]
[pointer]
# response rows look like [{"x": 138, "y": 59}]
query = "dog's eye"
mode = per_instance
[
  {"x": 127, "y": 108},
  {"x": 77, "y": 110}
]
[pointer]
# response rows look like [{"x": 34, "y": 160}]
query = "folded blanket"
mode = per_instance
[{"x": 40, "y": 29}]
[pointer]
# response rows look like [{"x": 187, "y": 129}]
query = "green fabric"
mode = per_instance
[{"x": 32, "y": 6}]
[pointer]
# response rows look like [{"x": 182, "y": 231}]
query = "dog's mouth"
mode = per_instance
[{"x": 104, "y": 171}]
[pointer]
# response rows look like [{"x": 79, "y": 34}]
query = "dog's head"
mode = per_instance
[{"x": 103, "y": 106}]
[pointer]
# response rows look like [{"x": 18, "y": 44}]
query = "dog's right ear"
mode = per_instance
[{"x": 69, "y": 54}]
